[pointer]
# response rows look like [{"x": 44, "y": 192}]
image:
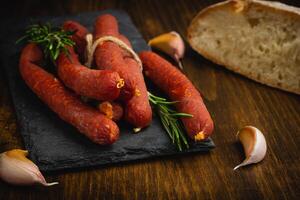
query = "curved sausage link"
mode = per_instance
[
  {"x": 110, "y": 56},
  {"x": 102, "y": 85},
  {"x": 179, "y": 88},
  {"x": 78, "y": 37},
  {"x": 68, "y": 107},
  {"x": 137, "y": 109}
]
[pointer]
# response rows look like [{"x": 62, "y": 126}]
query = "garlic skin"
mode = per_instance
[
  {"x": 254, "y": 143},
  {"x": 170, "y": 43},
  {"x": 16, "y": 169}
]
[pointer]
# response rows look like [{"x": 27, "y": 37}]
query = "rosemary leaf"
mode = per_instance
[
  {"x": 52, "y": 40},
  {"x": 170, "y": 120},
  {"x": 181, "y": 115},
  {"x": 166, "y": 102}
]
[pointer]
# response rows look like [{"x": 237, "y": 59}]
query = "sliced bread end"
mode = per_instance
[{"x": 258, "y": 39}]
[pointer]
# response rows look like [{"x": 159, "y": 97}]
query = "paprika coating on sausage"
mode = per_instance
[
  {"x": 102, "y": 85},
  {"x": 179, "y": 88},
  {"x": 137, "y": 109},
  {"x": 67, "y": 105},
  {"x": 111, "y": 110}
]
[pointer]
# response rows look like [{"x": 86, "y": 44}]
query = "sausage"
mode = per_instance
[
  {"x": 109, "y": 55},
  {"x": 108, "y": 29},
  {"x": 102, "y": 85},
  {"x": 125, "y": 40},
  {"x": 111, "y": 110},
  {"x": 179, "y": 88},
  {"x": 137, "y": 109},
  {"x": 79, "y": 35},
  {"x": 63, "y": 102}
]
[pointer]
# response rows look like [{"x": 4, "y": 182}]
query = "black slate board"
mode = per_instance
[{"x": 55, "y": 145}]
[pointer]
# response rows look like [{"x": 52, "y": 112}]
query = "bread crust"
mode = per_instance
[{"x": 274, "y": 6}]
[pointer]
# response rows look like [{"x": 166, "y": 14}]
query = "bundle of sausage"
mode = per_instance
[
  {"x": 117, "y": 84},
  {"x": 105, "y": 84},
  {"x": 62, "y": 101}
]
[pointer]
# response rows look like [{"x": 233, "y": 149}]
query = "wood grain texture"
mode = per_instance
[{"x": 233, "y": 101}]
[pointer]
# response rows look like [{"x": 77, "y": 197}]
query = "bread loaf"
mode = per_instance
[{"x": 258, "y": 39}]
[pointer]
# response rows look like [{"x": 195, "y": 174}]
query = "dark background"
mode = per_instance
[{"x": 234, "y": 101}]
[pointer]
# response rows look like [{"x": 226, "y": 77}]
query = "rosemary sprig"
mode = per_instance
[
  {"x": 52, "y": 40},
  {"x": 170, "y": 120}
]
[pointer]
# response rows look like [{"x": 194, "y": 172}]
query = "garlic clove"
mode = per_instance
[
  {"x": 17, "y": 169},
  {"x": 137, "y": 130},
  {"x": 170, "y": 43},
  {"x": 254, "y": 144}
]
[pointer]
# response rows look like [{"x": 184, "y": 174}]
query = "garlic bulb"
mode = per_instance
[
  {"x": 171, "y": 44},
  {"x": 16, "y": 169},
  {"x": 254, "y": 143}
]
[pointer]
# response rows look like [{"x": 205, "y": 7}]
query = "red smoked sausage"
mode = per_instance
[
  {"x": 137, "y": 109},
  {"x": 139, "y": 103},
  {"x": 102, "y": 85},
  {"x": 112, "y": 51},
  {"x": 179, "y": 88},
  {"x": 109, "y": 55},
  {"x": 51, "y": 91},
  {"x": 78, "y": 37}
]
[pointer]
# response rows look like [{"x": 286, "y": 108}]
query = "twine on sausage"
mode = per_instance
[{"x": 92, "y": 45}]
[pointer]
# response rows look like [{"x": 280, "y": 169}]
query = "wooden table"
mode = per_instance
[{"x": 234, "y": 101}]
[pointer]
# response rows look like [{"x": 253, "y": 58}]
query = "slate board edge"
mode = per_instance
[{"x": 127, "y": 161}]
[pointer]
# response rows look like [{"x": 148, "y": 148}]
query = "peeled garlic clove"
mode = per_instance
[
  {"x": 17, "y": 169},
  {"x": 254, "y": 143},
  {"x": 169, "y": 43}
]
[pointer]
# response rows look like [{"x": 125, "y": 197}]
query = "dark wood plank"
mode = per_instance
[{"x": 234, "y": 101}]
